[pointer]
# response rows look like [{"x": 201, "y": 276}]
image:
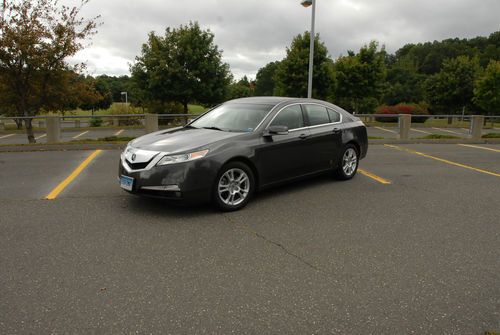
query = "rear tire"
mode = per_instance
[
  {"x": 234, "y": 186},
  {"x": 348, "y": 162}
]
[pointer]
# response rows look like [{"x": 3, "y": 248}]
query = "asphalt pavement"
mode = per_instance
[
  {"x": 69, "y": 135},
  {"x": 418, "y": 254}
]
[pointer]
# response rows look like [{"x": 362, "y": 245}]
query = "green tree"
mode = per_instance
[
  {"x": 453, "y": 87},
  {"x": 361, "y": 78},
  {"x": 487, "y": 89},
  {"x": 182, "y": 66},
  {"x": 36, "y": 38},
  {"x": 240, "y": 89},
  {"x": 404, "y": 83},
  {"x": 292, "y": 72},
  {"x": 264, "y": 82}
]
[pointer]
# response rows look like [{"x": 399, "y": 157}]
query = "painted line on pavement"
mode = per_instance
[
  {"x": 59, "y": 188},
  {"x": 119, "y": 132},
  {"x": 421, "y": 131},
  {"x": 448, "y": 131},
  {"x": 442, "y": 160},
  {"x": 81, "y": 134},
  {"x": 374, "y": 177},
  {"x": 41, "y": 136},
  {"x": 10, "y": 135},
  {"x": 478, "y": 147},
  {"x": 390, "y": 131}
]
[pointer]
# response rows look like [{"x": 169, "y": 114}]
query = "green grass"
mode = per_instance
[
  {"x": 491, "y": 135},
  {"x": 109, "y": 139},
  {"x": 439, "y": 137},
  {"x": 375, "y": 138},
  {"x": 196, "y": 109},
  {"x": 118, "y": 108}
]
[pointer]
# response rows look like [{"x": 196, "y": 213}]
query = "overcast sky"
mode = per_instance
[{"x": 252, "y": 33}]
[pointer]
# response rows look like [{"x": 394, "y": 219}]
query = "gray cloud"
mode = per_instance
[{"x": 254, "y": 32}]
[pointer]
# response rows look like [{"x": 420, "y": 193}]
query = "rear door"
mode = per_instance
[
  {"x": 325, "y": 138},
  {"x": 283, "y": 157}
]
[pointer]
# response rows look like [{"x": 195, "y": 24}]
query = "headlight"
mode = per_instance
[{"x": 172, "y": 159}]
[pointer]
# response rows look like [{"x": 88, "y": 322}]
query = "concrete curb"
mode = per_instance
[{"x": 121, "y": 146}]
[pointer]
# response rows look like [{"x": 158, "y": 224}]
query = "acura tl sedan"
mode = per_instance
[{"x": 242, "y": 146}]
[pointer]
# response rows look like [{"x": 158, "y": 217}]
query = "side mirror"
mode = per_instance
[{"x": 276, "y": 130}]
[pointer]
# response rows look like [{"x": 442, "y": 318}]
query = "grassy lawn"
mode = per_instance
[
  {"x": 438, "y": 137},
  {"x": 119, "y": 108},
  {"x": 491, "y": 135}
]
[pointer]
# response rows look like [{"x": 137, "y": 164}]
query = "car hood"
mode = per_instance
[{"x": 180, "y": 139}]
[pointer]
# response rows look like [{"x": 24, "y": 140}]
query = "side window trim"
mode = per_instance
[
  {"x": 323, "y": 124},
  {"x": 334, "y": 111},
  {"x": 285, "y": 107},
  {"x": 304, "y": 116}
]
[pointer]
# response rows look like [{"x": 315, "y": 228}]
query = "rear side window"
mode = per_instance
[
  {"x": 290, "y": 116},
  {"x": 334, "y": 116},
  {"x": 317, "y": 115}
]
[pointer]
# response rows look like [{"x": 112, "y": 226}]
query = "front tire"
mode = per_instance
[
  {"x": 233, "y": 187},
  {"x": 347, "y": 165}
]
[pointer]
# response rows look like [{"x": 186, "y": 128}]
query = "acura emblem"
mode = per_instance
[{"x": 133, "y": 157}]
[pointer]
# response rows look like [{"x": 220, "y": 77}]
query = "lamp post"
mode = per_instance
[{"x": 307, "y": 3}]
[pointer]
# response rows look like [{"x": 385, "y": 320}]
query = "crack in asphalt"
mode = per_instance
[{"x": 279, "y": 245}]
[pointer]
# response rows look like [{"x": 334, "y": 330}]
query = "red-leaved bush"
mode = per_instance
[{"x": 412, "y": 109}]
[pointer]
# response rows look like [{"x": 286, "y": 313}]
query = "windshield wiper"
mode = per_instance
[{"x": 213, "y": 128}]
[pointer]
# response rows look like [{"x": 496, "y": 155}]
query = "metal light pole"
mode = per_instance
[{"x": 307, "y": 3}]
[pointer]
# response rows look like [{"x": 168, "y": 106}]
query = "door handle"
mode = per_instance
[
  {"x": 336, "y": 130},
  {"x": 303, "y": 136}
]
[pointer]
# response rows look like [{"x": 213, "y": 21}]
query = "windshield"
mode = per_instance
[{"x": 233, "y": 117}]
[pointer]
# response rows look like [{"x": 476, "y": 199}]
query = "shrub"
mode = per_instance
[
  {"x": 412, "y": 109},
  {"x": 95, "y": 122},
  {"x": 124, "y": 109}
]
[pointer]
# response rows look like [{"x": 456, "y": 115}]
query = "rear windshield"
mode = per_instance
[{"x": 233, "y": 117}]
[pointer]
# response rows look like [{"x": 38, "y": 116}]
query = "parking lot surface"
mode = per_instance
[
  {"x": 415, "y": 254},
  {"x": 69, "y": 135}
]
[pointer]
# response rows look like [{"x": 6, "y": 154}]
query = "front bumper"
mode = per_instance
[{"x": 190, "y": 182}]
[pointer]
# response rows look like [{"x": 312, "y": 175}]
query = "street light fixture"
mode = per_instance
[{"x": 308, "y": 3}]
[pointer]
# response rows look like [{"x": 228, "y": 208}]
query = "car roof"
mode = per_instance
[
  {"x": 283, "y": 100},
  {"x": 262, "y": 100}
]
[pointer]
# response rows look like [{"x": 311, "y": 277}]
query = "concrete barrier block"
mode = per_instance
[
  {"x": 53, "y": 129},
  {"x": 476, "y": 126},
  {"x": 404, "y": 126},
  {"x": 151, "y": 121}
]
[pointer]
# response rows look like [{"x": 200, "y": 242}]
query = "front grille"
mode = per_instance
[{"x": 137, "y": 166}]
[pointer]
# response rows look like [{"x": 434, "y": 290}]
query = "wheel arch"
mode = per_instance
[{"x": 249, "y": 163}]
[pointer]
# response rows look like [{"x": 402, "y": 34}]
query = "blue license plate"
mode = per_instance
[{"x": 127, "y": 183}]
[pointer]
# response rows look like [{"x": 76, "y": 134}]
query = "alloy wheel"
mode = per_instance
[
  {"x": 233, "y": 187},
  {"x": 349, "y": 161}
]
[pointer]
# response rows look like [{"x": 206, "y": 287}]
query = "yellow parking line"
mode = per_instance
[
  {"x": 41, "y": 136},
  {"x": 421, "y": 131},
  {"x": 443, "y": 160},
  {"x": 388, "y": 130},
  {"x": 80, "y": 134},
  {"x": 59, "y": 188},
  {"x": 478, "y": 147},
  {"x": 6, "y": 136},
  {"x": 374, "y": 177},
  {"x": 119, "y": 132}
]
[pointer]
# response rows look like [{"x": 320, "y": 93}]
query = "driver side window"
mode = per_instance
[{"x": 290, "y": 116}]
